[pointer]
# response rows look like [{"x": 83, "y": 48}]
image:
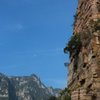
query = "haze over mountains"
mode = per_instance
[{"x": 24, "y": 88}]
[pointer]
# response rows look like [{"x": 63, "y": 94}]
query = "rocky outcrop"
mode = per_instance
[
  {"x": 84, "y": 67},
  {"x": 7, "y": 89},
  {"x": 24, "y": 88}
]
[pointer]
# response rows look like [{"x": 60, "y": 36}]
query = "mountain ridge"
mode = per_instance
[{"x": 24, "y": 88}]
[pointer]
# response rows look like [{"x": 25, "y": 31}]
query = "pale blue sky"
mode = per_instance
[{"x": 33, "y": 34}]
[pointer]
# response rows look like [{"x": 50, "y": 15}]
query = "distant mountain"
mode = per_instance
[{"x": 24, "y": 88}]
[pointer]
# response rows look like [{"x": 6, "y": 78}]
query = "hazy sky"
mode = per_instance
[{"x": 33, "y": 34}]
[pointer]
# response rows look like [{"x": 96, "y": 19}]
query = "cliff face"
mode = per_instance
[
  {"x": 24, "y": 88},
  {"x": 84, "y": 67}
]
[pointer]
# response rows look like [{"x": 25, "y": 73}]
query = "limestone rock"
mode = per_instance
[{"x": 84, "y": 82}]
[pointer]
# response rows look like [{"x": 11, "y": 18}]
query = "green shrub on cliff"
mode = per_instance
[{"x": 74, "y": 45}]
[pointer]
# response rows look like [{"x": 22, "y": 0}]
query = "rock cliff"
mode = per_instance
[{"x": 84, "y": 49}]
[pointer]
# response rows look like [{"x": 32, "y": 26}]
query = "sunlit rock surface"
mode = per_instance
[{"x": 84, "y": 68}]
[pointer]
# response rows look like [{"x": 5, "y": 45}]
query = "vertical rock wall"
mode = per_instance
[{"x": 84, "y": 82}]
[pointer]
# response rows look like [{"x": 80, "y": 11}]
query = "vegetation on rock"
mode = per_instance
[
  {"x": 74, "y": 45},
  {"x": 64, "y": 95}
]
